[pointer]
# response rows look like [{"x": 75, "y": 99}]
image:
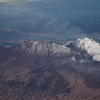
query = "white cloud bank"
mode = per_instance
[{"x": 92, "y": 47}]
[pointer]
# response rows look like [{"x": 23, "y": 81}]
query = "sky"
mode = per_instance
[
  {"x": 9, "y": 1},
  {"x": 54, "y": 19}
]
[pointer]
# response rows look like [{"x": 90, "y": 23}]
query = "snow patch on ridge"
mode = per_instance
[{"x": 45, "y": 48}]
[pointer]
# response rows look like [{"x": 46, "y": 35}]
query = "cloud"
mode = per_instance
[
  {"x": 3, "y": 0},
  {"x": 8, "y": 1},
  {"x": 92, "y": 47}
]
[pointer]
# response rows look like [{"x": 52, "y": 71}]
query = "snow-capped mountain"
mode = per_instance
[
  {"x": 44, "y": 70},
  {"x": 68, "y": 50},
  {"x": 44, "y": 48}
]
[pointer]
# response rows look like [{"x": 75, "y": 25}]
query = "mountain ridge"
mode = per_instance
[{"x": 35, "y": 76}]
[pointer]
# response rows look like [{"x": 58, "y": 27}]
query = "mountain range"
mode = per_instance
[{"x": 44, "y": 70}]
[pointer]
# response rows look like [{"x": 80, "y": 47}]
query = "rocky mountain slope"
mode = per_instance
[{"x": 43, "y": 70}]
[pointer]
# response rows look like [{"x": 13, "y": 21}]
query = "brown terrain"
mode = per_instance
[{"x": 35, "y": 77}]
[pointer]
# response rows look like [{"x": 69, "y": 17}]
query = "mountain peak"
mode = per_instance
[
  {"x": 41, "y": 70},
  {"x": 44, "y": 48}
]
